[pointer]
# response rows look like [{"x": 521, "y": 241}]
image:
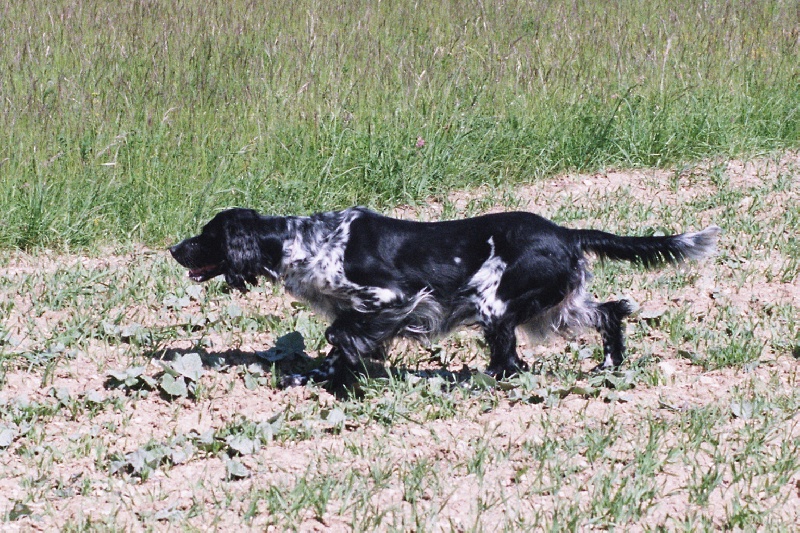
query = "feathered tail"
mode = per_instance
[{"x": 650, "y": 251}]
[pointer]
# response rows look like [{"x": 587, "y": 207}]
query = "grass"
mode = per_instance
[
  {"x": 699, "y": 431},
  {"x": 134, "y": 122}
]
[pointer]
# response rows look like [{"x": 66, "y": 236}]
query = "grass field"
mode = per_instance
[
  {"x": 132, "y": 399},
  {"x": 136, "y": 120}
]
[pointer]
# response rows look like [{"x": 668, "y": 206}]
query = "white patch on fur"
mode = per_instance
[
  {"x": 485, "y": 283},
  {"x": 270, "y": 273},
  {"x": 383, "y": 295},
  {"x": 608, "y": 363}
]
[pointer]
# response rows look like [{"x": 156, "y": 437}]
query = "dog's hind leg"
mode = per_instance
[
  {"x": 502, "y": 341},
  {"x": 609, "y": 322}
]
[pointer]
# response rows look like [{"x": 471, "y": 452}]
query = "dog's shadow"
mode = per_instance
[
  {"x": 349, "y": 385},
  {"x": 212, "y": 359}
]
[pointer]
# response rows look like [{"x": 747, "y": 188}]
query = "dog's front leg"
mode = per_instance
[{"x": 352, "y": 336}]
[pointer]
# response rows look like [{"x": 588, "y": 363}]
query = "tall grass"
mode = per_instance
[{"x": 133, "y": 121}]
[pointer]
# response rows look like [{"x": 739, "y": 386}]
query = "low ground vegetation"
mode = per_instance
[{"x": 132, "y": 398}]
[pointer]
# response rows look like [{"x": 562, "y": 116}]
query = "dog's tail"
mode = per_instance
[{"x": 650, "y": 251}]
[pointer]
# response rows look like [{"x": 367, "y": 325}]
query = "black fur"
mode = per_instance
[{"x": 378, "y": 278}]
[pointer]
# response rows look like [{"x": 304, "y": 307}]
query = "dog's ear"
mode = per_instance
[
  {"x": 251, "y": 251},
  {"x": 271, "y": 256}
]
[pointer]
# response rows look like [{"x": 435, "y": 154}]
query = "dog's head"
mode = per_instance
[{"x": 237, "y": 243}]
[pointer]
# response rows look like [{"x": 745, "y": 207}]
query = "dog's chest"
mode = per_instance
[
  {"x": 319, "y": 277},
  {"x": 314, "y": 265}
]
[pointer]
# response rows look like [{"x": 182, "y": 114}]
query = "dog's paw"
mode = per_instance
[
  {"x": 605, "y": 366},
  {"x": 502, "y": 372},
  {"x": 293, "y": 380}
]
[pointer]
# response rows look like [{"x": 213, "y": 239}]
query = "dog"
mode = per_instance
[{"x": 378, "y": 278}]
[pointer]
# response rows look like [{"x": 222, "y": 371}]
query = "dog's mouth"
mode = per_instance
[{"x": 205, "y": 273}]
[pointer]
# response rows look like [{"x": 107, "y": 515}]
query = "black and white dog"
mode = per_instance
[{"x": 378, "y": 278}]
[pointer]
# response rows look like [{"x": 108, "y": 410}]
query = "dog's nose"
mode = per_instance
[{"x": 173, "y": 249}]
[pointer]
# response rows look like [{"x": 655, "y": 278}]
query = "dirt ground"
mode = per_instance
[{"x": 416, "y": 456}]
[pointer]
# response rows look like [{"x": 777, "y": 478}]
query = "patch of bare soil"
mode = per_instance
[{"x": 495, "y": 459}]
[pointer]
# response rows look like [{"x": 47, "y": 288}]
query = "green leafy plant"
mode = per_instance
[
  {"x": 145, "y": 459},
  {"x": 131, "y": 378},
  {"x": 181, "y": 375},
  {"x": 289, "y": 346}
]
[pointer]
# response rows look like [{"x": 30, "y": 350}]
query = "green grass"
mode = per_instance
[{"x": 130, "y": 122}]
